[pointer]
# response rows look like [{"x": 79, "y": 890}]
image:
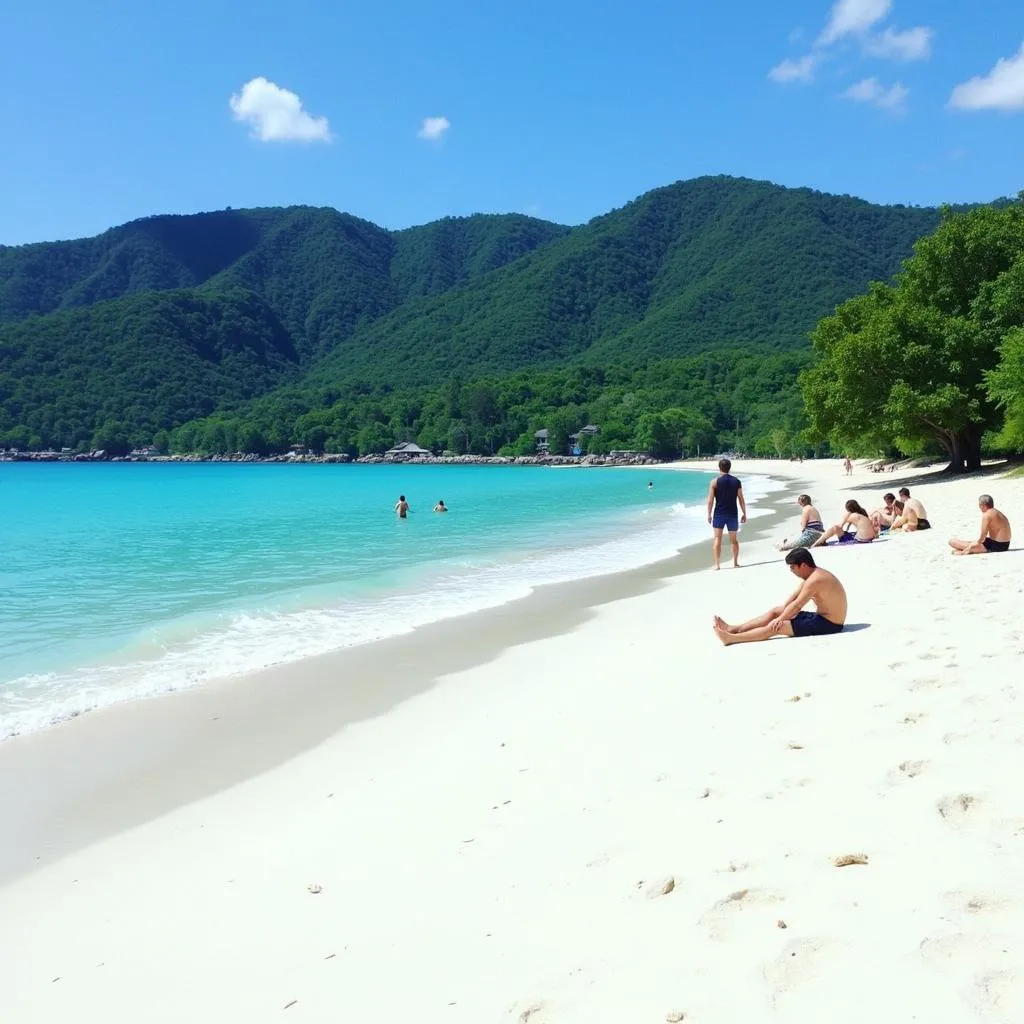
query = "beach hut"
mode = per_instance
[{"x": 406, "y": 452}]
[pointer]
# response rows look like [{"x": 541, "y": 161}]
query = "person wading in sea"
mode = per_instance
[{"x": 724, "y": 494}]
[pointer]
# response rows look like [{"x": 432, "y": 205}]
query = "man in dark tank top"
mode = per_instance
[{"x": 727, "y": 508}]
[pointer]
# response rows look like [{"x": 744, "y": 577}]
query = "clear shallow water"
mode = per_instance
[{"x": 121, "y": 581}]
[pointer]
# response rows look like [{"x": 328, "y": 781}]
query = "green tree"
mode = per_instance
[{"x": 909, "y": 363}]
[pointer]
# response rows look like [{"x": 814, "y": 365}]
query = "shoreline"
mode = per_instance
[
  {"x": 615, "y": 539},
  {"x": 228, "y": 730}
]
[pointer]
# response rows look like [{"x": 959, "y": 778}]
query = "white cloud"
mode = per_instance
[
  {"x": 789, "y": 70},
  {"x": 1001, "y": 89},
  {"x": 433, "y": 128},
  {"x": 911, "y": 44},
  {"x": 276, "y": 115},
  {"x": 852, "y": 17},
  {"x": 870, "y": 90}
]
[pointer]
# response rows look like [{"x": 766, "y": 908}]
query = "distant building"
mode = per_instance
[
  {"x": 407, "y": 451},
  {"x": 541, "y": 437},
  {"x": 576, "y": 440}
]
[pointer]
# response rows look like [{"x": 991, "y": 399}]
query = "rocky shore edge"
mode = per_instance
[{"x": 630, "y": 459}]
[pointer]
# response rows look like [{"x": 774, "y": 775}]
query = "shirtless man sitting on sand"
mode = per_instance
[
  {"x": 917, "y": 519},
  {"x": 817, "y": 585},
  {"x": 994, "y": 535}
]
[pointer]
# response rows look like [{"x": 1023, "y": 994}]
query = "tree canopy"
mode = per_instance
[{"x": 930, "y": 358}]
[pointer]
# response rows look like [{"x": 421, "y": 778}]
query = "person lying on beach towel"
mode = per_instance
[
  {"x": 995, "y": 532},
  {"x": 811, "y": 526},
  {"x": 817, "y": 585},
  {"x": 856, "y": 526}
]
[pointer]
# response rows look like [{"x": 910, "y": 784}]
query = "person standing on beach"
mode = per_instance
[
  {"x": 402, "y": 507},
  {"x": 848, "y": 465},
  {"x": 993, "y": 536},
  {"x": 724, "y": 494}
]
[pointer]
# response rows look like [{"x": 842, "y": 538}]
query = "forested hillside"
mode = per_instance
[{"x": 154, "y": 323}]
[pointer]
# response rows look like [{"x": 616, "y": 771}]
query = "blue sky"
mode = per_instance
[{"x": 113, "y": 110}]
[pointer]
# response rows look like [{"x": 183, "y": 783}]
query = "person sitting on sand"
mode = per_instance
[
  {"x": 856, "y": 526},
  {"x": 920, "y": 516},
  {"x": 903, "y": 517},
  {"x": 811, "y": 526},
  {"x": 440, "y": 506},
  {"x": 817, "y": 585},
  {"x": 994, "y": 535},
  {"x": 883, "y": 517}
]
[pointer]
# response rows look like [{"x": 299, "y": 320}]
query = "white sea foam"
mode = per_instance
[{"x": 248, "y": 641}]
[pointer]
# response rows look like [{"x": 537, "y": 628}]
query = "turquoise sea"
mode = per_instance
[{"x": 120, "y": 581}]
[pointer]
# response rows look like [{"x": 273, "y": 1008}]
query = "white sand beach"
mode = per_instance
[{"x": 621, "y": 822}]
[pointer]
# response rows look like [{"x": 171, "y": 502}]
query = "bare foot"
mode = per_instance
[
  {"x": 717, "y": 622},
  {"x": 735, "y": 565},
  {"x": 723, "y": 635},
  {"x": 715, "y": 567}
]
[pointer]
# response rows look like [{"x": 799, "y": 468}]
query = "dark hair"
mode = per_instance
[
  {"x": 724, "y": 465},
  {"x": 440, "y": 501},
  {"x": 854, "y": 506},
  {"x": 898, "y": 505},
  {"x": 800, "y": 556},
  {"x": 401, "y": 497},
  {"x": 804, "y": 499},
  {"x": 986, "y": 500},
  {"x": 904, "y": 492},
  {"x": 889, "y": 497}
]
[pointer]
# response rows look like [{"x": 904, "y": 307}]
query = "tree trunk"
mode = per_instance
[{"x": 964, "y": 447}]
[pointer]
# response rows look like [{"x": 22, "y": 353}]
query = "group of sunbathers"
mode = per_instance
[{"x": 858, "y": 526}]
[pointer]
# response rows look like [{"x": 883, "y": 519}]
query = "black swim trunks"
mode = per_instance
[
  {"x": 813, "y": 624},
  {"x": 923, "y": 524},
  {"x": 996, "y": 545}
]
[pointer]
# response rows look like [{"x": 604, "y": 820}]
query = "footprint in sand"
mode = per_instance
[
  {"x": 958, "y": 810},
  {"x": 798, "y": 961},
  {"x": 531, "y": 1013},
  {"x": 909, "y": 769},
  {"x": 972, "y": 904},
  {"x": 726, "y": 915}
]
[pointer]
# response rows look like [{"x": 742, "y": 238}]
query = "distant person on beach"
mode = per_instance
[
  {"x": 440, "y": 506},
  {"x": 919, "y": 517},
  {"x": 811, "y": 526},
  {"x": 724, "y": 494},
  {"x": 883, "y": 517},
  {"x": 402, "y": 507},
  {"x": 855, "y": 526},
  {"x": 848, "y": 466},
  {"x": 817, "y": 585},
  {"x": 993, "y": 536}
]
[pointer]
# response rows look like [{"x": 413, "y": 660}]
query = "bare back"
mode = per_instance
[
  {"x": 828, "y": 595},
  {"x": 865, "y": 528},
  {"x": 996, "y": 526}
]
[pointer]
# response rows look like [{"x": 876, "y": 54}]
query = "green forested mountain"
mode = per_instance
[{"x": 166, "y": 319}]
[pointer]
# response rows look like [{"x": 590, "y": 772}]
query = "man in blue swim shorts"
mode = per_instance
[
  {"x": 789, "y": 619},
  {"x": 724, "y": 494}
]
